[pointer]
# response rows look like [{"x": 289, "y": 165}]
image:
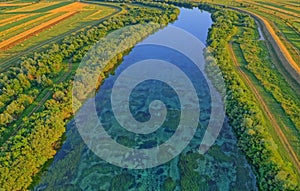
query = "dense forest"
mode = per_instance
[{"x": 24, "y": 153}]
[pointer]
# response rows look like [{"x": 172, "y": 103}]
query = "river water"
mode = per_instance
[{"x": 223, "y": 167}]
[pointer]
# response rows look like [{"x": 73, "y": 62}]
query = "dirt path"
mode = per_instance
[
  {"x": 22, "y": 36},
  {"x": 267, "y": 111}
]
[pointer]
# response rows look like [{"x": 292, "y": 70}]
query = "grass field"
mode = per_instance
[{"x": 30, "y": 24}]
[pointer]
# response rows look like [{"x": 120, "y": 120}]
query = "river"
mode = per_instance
[{"x": 223, "y": 167}]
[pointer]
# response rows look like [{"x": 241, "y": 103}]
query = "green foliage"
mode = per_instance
[
  {"x": 190, "y": 178},
  {"x": 245, "y": 116},
  {"x": 255, "y": 54},
  {"x": 169, "y": 185},
  {"x": 24, "y": 154},
  {"x": 122, "y": 182}
]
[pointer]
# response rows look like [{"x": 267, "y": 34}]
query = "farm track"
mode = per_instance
[
  {"x": 266, "y": 109},
  {"x": 26, "y": 34}
]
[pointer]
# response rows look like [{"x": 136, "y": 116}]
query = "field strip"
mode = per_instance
[
  {"x": 295, "y": 7},
  {"x": 77, "y": 6},
  {"x": 14, "y": 19},
  {"x": 33, "y": 7},
  {"x": 266, "y": 109},
  {"x": 11, "y": 18},
  {"x": 285, "y": 5},
  {"x": 280, "y": 4},
  {"x": 25, "y": 24},
  {"x": 13, "y": 4},
  {"x": 290, "y": 4},
  {"x": 271, "y": 8},
  {"x": 20, "y": 37}
]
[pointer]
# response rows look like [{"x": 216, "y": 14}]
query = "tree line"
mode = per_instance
[
  {"x": 272, "y": 172},
  {"x": 255, "y": 54}
]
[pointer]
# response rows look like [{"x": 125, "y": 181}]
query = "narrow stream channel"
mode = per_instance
[
  {"x": 223, "y": 167},
  {"x": 261, "y": 36}
]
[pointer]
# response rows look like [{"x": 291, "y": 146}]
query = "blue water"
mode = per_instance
[
  {"x": 194, "y": 22},
  {"x": 224, "y": 167}
]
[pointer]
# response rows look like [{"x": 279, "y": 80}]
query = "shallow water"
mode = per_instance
[
  {"x": 223, "y": 167},
  {"x": 261, "y": 36}
]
